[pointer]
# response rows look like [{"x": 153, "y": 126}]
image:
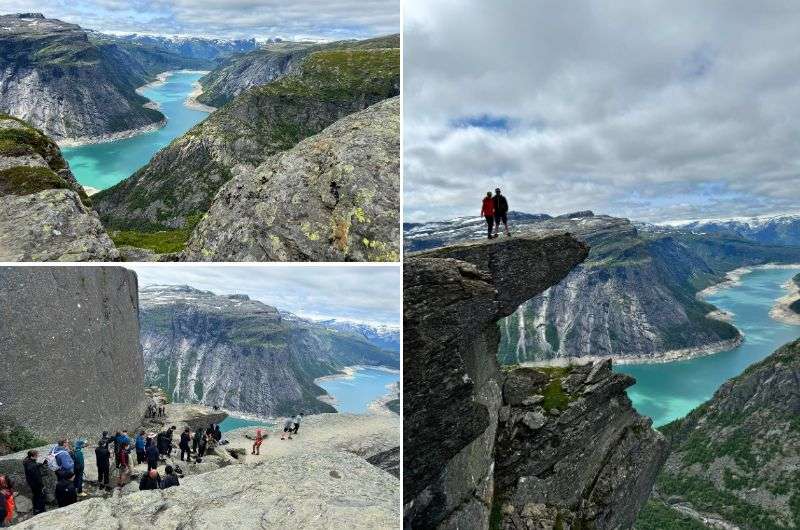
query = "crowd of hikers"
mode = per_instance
[
  {"x": 69, "y": 463},
  {"x": 495, "y": 211}
]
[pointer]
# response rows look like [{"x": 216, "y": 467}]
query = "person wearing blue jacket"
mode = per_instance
[
  {"x": 140, "y": 445},
  {"x": 152, "y": 455},
  {"x": 66, "y": 466},
  {"x": 79, "y": 466}
]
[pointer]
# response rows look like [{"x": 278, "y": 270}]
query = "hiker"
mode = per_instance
[
  {"x": 500, "y": 212},
  {"x": 217, "y": 433},
  {"x": 184, "y": 443},
  {"x": 196, "y": 440},
  {"x": 140, "y": 444},
  {"x": 65, "y": 490},
  {"x": 117, "y": 438},
  {"x": 103, "y": 456},
  {"x": 7, "y": 503},
  {"x": 59, "y": 459},
  {"x": 487, "y": 211},
  {"x": 33, "y": 476},
  {"x": 257, "y": 444},
  {"x": 105, "y": 439},
  {"x": 202, "y": 447},
  {"x": 80, "y": 465},
  {"x": 152, "y": 454},
  {"x": 124, "y": 465},
  {"x": 170, "y": 478},
  {"x": 150, "y": 481},
  {"x": 297, "y": 420},
  {"x": 168, "y": 440},
  {"x": 288, "y": 427}
]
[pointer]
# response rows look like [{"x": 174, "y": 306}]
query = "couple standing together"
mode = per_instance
[{"x": 495, "y": 210}]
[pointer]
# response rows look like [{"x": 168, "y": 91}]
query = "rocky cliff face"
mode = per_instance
[
  {"x": 53, "y": 76},
  {"x": 633, "y": 298},
  {"x": 481, "y": 441},
  {"x": 179, "y": 183},
  {"x": 285, "y": 210},
  {"x": 242, "y": 354},
  {"x": 45, "y": 215},
  {"x": 734, "y": 459},
  {"x": 269, "y": 62},
  {"x": 71, "y": 364}
]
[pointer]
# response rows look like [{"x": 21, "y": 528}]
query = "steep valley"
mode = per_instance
[{"x": 242, "y": 354}]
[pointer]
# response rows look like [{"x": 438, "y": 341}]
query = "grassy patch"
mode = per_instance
[
  {"x": 162, "y": 242},
  {"x": 16, "y": 438},
  {"x": 25, "y": 180},
  {"x": 658, "y": 516}
]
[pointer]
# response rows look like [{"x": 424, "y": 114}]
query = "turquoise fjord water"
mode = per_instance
[
  {"x": 354, "y": 394},
  {"x": 668, "y": 391},
  {"x": 102, "y": 165},
  {"x": 232, "y": 422}
]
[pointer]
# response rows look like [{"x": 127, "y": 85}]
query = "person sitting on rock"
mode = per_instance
[
  {"x": 103, "y": 457},
  {"x": 66, "y": 493},
  {"x": 7, "y": 503},
  {"x": 170, "y": 478},
  {"x": 487, "y": 211},
  {"x": 297, "y": 420},
  {"x": 33, "y": 476},
  {"x": 288, "y": 427},
  {"x": 184, "y": 443},
  {"x": 150, "y": 481},
  {"x": 257, "y": 444},
  {"x": 152, "y": 454}
]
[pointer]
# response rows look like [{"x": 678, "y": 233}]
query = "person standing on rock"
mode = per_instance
[
  {"x": 33, "y": 476},
  {"x": 196, "y": 440},
  {"x": 103, "y": 457},
  {"x": 150, "y": 481},
  {"x": 66, "y": 493},
  {"x": 297, "y": 420},
  {"x": 117, "y": 438},
  {"x": 124, "y": 465},
  {"x": 80, "y": 466},
  {"x": 184, "y": 443},
  {"x": 170, "y": 478},
  {"x": 257, "y": 444},
  {"x": 487, "y": 211},
  {"x": 152, "y": 454},
  {"x": 500, "y": 212},
  {"x": 201, "y": 451},
  {"x": 217, "y": 433},
  {"x": 288, "y": 427},
  {"x": 63, "y": 460},
  {"x": 140, "y": 445}
]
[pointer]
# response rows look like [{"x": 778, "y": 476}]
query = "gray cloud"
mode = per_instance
[
  {"x": 317, "y": 19},
  {"x": 366, "y": 294},
  {"x": 651, "y": 110}
]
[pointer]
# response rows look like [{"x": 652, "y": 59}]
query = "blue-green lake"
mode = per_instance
[
  {"x": 100, "y": 166},
  {"x": 354, "y": 394},
  {"x": 232, "y": 422},
  {"x": 668, "y": 391}
]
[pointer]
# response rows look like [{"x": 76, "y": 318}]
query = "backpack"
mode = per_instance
[
  {"x": 10, "y": 505},
  {"x": 52, "y": 461}
]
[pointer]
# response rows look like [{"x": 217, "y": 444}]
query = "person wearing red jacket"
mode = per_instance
[{"x": 487, "y": 211}]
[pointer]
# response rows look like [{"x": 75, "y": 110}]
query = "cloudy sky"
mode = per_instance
[
  {"x": 293, "y": 19},
  {"x": 363, "y": 294},
  {"x": 650, "y": 110}
]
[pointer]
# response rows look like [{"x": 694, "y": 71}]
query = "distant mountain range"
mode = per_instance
[
  {"x": 771, "y": 229},
  {"x": 242, "y": 354},
  {"x": 634, "y": 297},
  {"x": 208, "y": 49}
]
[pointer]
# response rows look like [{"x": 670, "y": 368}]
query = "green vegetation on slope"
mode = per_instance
[
  {"x": 657, "y": 516},
  {"x": 15, "y": 438},
  {"x": 25, "y": 180}
]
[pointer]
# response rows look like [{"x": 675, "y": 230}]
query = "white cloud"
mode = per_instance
[
  {"x": 317, "y": 19},
  {"x": 652, "y": 110},
  {"x": 360, "y": 293}
]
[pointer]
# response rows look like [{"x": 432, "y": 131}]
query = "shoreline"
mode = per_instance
[
  {"x": 780, "y": 311},
  {"x": 191, "y": 100},
  {"x": 160, "y": 79},
  {"x": 376, "y": 406}
]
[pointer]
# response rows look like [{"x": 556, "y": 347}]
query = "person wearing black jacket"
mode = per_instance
[
  {"x": 170, "y": 478},
  {"x": 66, "y": 493},
  {"x": 217, "y": 433},
  {"x": 103, "y": 457},
  {"x": 33, "y": 476},
  {"x": 184, "y": 443},
  {"x": 500, "y": 211},
  {"x": 152, "y": 454},
  {"x": 150, "y": 481}
]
